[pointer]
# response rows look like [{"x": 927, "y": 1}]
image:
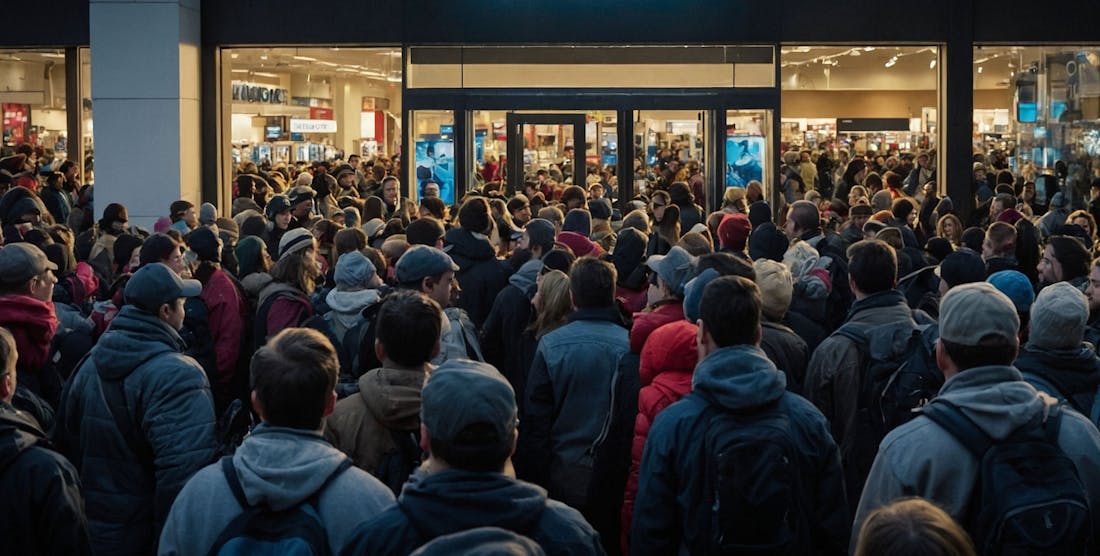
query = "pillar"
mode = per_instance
[{"x": 145, "y": 97}]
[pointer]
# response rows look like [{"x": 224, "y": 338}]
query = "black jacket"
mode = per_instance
[
  {"x": 505, "y": 341},
  {"x": 1073, "y": 372},
  {"x": 480, "y": 274},
  {"x": 41, "y": 509},
  {"x": 789, "y": 353}
]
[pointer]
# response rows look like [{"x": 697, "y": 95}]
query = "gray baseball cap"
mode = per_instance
[
  {"x": 972, "y": 312},
  {"x": 20, "y": 262},
  {"x": 155, "y": 284},
  {"x": 461, "y": 393},
  {"x": 674, "y": 268}
]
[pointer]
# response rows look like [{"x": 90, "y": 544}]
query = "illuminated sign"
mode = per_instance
[{"x": 312, "y": 126}]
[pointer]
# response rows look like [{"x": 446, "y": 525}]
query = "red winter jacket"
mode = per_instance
[
  {"x": 667, "y": 363},
  {"x": 225, "y": 311},
  {"x": 646, "y": 322},
  {"x": 32, "y": 323}
]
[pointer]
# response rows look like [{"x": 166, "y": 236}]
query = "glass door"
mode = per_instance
[{"x": 542, "y": 145}]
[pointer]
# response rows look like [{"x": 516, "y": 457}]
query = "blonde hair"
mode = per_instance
[
  {"x": 958, "y": 228},
  {"x": 555, "y": 303},
  {"x": 912, "y": 527}
]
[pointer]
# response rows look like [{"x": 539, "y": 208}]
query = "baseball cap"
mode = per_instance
[
  {"x": 21, "y": 261},
  {"x": 674, "y": 268},
  {"x": 155, "y": 284},
  {"x": 962, "y": 267},
  {"x": 462, "y": 393},
  {"x": 541, "y": 232},
  {"x": 972, "y": 312},
  {"x": 421, "y": 261}
]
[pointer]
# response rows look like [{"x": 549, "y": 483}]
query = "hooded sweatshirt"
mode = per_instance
[
  {"x": 278, "y": 467},
  {"x": 480, "y": 275},
  {"x": 1071, "y": 374},
  {"x": 345, "y": 308},
  {"x": 453, "y": 500}
]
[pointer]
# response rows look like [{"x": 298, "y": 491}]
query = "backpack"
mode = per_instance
[
  {"x": 753, "y": 483},
  {"x": 356, "y": 352},
  {"x": 840, "y": 297},
  {"x": 261, "y": 530},
  {"x": 1028, "y": 497},
  {"x": 259, "y": 322},
  {"x": 397, "y": 464},
  {"x": 1048, "y": 384},
  {"x": 196, "y": 335}
]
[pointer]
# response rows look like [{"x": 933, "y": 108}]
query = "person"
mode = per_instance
[
  {"x": 999, "y": 248},
  {"x": 42, "y": 507},
  {"x": 300, "y": 200},
  {"x": 835, "y": 375},
  {"x": 395, "y": 206},
  {"x": 977, "y": 344},
  {"x": 27, "y": 311},
  {"x": 804, "y": 222},
  {"x": 1055, "y": 359},
  {"x": 666, "y": 294},
  {"x": 284, "y": 462},
  {"x": 184, "y": 216},
  {"x": 278, "y": 215},
  {"x": 481, "y": 276},
  {"x": 785, "y": 444},
  {"x": 631, "y": 290},
  {"x": 357, "y": 288},
  {"x": 1092, "y": 292},
  {"x": 1065, "y": 259},
  {"x": 56, "y": 198},
  {"x": 666, "y": 224},
  {"x": 733, "y": 234},
  {"x": 690, "y": 213},
  {"x": 284, "y": 302},
  {"x": 912, "y": 527},
  {"x": 373, "y": 428},
  {"x": 520, "y": 209},
  {"x": 784, "y": 347},
  {"x": 135, "y": 452},
  {"x": 569, "y": 386},
  {"x": 468, "y": 428}
]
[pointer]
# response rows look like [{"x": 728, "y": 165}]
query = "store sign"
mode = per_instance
[
  {"x": 16, "y": 120},
  {"x": 320, "y": 113},
  {"x": 312, "y": 126},
  {"x": 257, "y": 93}
]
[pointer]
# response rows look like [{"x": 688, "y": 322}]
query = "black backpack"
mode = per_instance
[
  {"x": 1028, "y": 497},
  {"x": 261, "y": 530},
  {"x": 754, "y": 483},
  {"x": 397, "y": 464}
]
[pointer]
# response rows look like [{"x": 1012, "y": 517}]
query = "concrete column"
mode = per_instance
[{"x": 145, "y": 97}]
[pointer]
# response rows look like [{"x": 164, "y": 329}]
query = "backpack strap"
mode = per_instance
[
  {"x": 1051, "y": 384},
  {"x": 316, "y": 498},
  {"x": 955, "y": 422}
]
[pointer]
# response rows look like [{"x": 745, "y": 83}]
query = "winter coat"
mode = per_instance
[
  {"x": 388, "y": 399},
  {"x": 225, "y": 314},
  {"x": 127, "y": 498},
  {"x": 1073, "y": 373},
  {"x": 33, "y": 324},
  {"x": 646, "y": 322},
  {"x": 671, "y": 513},
  {"x": 453, "y": 500},
  {"x": 631, "y": 300},
  {"x": 504, "y": 338},
  {"x": 666, "y": 368},
  {"x": 834, "y": 375},
  {"x": 279, "y": 467},
  {"x": 789, "y": 353},
  {"x": 101, "y": 258},
  {"x": 568, "y": 400},
  {"x": 997, "y": 264},
  {"x": 291, "y": 309},
  {"x": 42, "y": 510},
  {"x": 920, "y": 458},
  {"x": 345, "y": 308},
  {"x": 481, "y": 276},
  {"x": 58, "y": 202}
]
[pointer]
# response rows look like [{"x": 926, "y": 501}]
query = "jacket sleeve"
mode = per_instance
[
  {"x": 60, "y": 510},
  {"x": 658, "y": 529},
  {"x": 179, "y": 424},
  {"x": 641, "y": 430},
  {"x": 832, "y": 383},
  {"x": 492, "y": 334},
  {"x": 225, "y": 328},
  {"x": 831, "y": 514},
  {"x": 537, "y": 420}
]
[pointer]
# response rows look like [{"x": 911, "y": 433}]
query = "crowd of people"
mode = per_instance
[{"x": 327, "y": 364}]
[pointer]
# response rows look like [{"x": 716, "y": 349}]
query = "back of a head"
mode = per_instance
[
  {"x": 872, "y": 266},
  {"x": 972, "y": 237},
  {"x": 424, "y": 231},
  {"x": 805, "y": 215},
  {"x": 408, "y": 327},
  {"x": 1003, "y": 236},
  {"x": 1058, "y": 317},
  {"x": 776, "y": 288},
  {"x": 680, "y": 194},
  {"x": 912, "y": 527},
  {"x": 592, "y": 283},
  {"x": 293, "y": 377},
  {"x": 469, "y": 411},
  {"x": 1072, "y": 255},
  {"x": 730, "y": 311},
  {"x": 979, "y": 326},
  {"x": 474, "y": 215},
  {"x": 553, "y": 214}
]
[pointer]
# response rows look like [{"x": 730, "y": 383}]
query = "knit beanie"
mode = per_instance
[
  {"x": 1058, "y": 317},
  {"x": 205, "y": 244},
  {"x": 733, "y": 231},
  {"x": 759, "y": 213},
  {"x": 578, "y": 221},
  {"x": 353, "y": 270},
  {"x": 248, "y": 252},
  {"x": 208, "y": 214},
  {"x": 295, "y": 240},
  {"x": 776, "y": 286},
  {"x": 767, "y": 242},
  {"x": 882, "y": 200}
]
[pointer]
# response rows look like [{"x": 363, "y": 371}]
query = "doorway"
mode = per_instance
[{"x": 539, "y": 141}]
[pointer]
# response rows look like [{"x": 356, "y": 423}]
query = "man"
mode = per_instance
[
  {"x": 42, "y": 509},
  {"x": 184, "y": 216},
  {"x": 373, "y": 186},
  {"x": 504, "y": 336},
  {"x": 285, "y": 461},
  {"x": 977, "y": 344},
  {"x": 395, "y": 205},
  {"x": 468, "y": 429},
  {"x": 431, "y": 190},
  {"x": 781, "y": 441},
  {"x": 1055, "y": 359},
  {"x": 27, "y": 311},
  {"x": 834, "y": 378},
  {"x": 783, "y": 346},
  {"x": 300, "y": 201},
  {"x": 1065, "y": 259},
  {"x": 804, "y": 222},
  {"x": 999, "y": 248},
  {"x": 520, "y": 209},
  {"x": 1055, "y": 217},
  {"x": 569, "y": 386},
  {"x": 666, "y": 294},
  {"x": 481, "y": 276},
  {"x": 1000, "y": 203},
  {"x": 425, "y": 231},
  {"x": 137, "y": 418},
  {"x": 431, "y": 272},
  {"x": 1092, "y": 292},
  {"x": 859, "y": 215},
  {"x": 374, "y": 427},
  {"x": 920, "y": 175},
  {"x": 346, "y": 180}
]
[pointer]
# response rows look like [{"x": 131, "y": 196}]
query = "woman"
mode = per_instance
[
  {"x": 856, "y": 193},
  {"x": 1086, "y": 222},
  {"x": 690, "y": 213},
  {"x": 552, "y": 303},
  {"x": 225, "y": 310},
  {"x": 950, "y": 228},
  {"x": 733, "y": 200},
  {"x": 912, "y": 526},
  {"x": 666, "y": 224},
  {"x": 114, "y": 223},
  {"x": 284, "y": 303},
  {"x": 853, "y": 175}
]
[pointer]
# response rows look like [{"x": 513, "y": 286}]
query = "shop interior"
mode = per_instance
[{"x": 34, "y": 103}]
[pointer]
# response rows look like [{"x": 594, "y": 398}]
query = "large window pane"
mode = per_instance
[{"x": 433, "y": 148}]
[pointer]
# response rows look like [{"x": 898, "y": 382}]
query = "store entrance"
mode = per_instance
[{"x": 541, "y": 141}]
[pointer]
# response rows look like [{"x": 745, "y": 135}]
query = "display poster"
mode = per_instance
[
  {"x": 744, "y": 156},
  {"x": 316, "y": 113},
  {"x": 435, "y": 163},
  {"x": 16, "y": 123}
]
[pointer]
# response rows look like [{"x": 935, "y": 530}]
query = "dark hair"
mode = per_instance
[
  {"x": 726, "y": 264},
  {"x": 157, "y": 248},
  {"x": 730, "y": 310},
  {"x": 972, "y": 237},
  {"x": 376, "y": 258},
  {"x": 855, "y": 166},
  {"x": 477, "y": 448},
  {"x": 902, "y": 208},
  {"x": 424, "y": 231},
  {"x": 680, "y": 194},
  {"x": 991, "y": 351},
  {"x": 293, "y": 377},
  {"x": 435, "y": 205},
  {"x": 373, "y": 208},
  {"x": 474, "y": 215},
  {"x": 912, "y": 527},
  {"x": 592, "y": 283},
  {"x": 573, "y": 193},
  {"x": 348, "y": 240},
  {"x": 873, "y": 266},
  {"x": 408, "y": 325},
  {"x": 805, "y": 215},
  {"x": 1072, "y": 255}
]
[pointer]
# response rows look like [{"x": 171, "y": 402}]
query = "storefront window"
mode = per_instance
[
  {"x": 433, "y": 147},
  {"x": 668, "y": 147},
  {"x": 748, "y": 149}
]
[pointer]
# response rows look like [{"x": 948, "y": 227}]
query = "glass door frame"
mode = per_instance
[{"x": 514, "y": 128}]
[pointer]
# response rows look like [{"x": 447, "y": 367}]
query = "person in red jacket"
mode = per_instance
[
  {"x": 26, "y": 310},
  {"x": 225, "y": 311},
  {"x": 666, "y": 294},
  {"x": 667, "y": 363}
]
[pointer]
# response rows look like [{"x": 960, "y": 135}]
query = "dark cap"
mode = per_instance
[
  {"x": 964, "y": 266},
  {"x": 421, "y": 261},
  {"x": 206, "y": 244},
  {"x": 278, "y": 204},
  {"x": 540, "y": 232},
  {"x": 600, "y": 209},
  {"x": 460, "y": 394},
  {"x": 155, "y": 284},
  {"x": 861, "y": 210},
  {"x": 342, "y": 169},
  {"x": 518, "y": 202},
  {"x": 674, "y": 268},
  {"x": 300, "y": 194},
  {"x": 21, "y": 261}
]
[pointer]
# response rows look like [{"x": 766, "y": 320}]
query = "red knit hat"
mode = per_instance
[
  {"x": 733, "y": 231},
  {"x": 580, "y": 245}
]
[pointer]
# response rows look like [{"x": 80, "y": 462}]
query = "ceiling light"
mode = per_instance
[
  {"x": 263, "y": 56},
  {"x": 52, "y": 55},
  {"x": 329, "y": 64},
  {"x": 239, "y": 70},
  {"x": 394, "y": 79},
  {"x": 305, "y": 58},
  {"x": 980, "y": 69},
  {"x": 235, "y": 55},
  {"x": 266, "y": 74},
  {"x": 869, "y": 49},
  {"x": 890, "y": 63},
  {"x": 932, "y": 64}
]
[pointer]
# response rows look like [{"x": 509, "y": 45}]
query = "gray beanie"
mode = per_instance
[
  {"x": 353, "y": 270},
  {"x": 1058, "y": 317},
  {"x": 882, "y": 200},
  {"x": 208, "y": 214}
]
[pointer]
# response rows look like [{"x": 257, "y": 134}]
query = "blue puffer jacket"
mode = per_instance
[
  {"x": 670, "y": 512},
  {"x": 568, "y": 401},
  {"x": 127, "y": 500}
]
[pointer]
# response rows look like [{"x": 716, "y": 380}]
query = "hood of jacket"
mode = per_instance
[
  {"x": 890, "y": 303},
  {"x": 739, "y": 378},
  {"x": 392, "y": 395},
  {"x": 527, "y": 275},
  {"x": 454, "y": 500},
  {"x": 346, "y": 306},
  {"x": 996, "y": 398},
  {"x": 134, "y": 337},
  {"x": 273, "y": 288},
  {"x": 1077, "y": 369},
  {"x": 466, "y": 248},
  {"x": 18, "y": 432},
  {"x": 255, "y": 283},
  {"x": 280, "y": 466}
]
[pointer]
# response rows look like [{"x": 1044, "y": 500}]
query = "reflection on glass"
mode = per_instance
[{"x": 434, "y": 152}]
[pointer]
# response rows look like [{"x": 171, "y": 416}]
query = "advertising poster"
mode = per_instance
[
  {"x": 16, "y": 123},
  {"x": 435, "y": 163},
  {"x": 744, "y": 159}
]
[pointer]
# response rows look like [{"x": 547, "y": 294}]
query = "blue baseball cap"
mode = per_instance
[
  {"x": 421, "y": 261},
  {"x": 155, "y": 284}
]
